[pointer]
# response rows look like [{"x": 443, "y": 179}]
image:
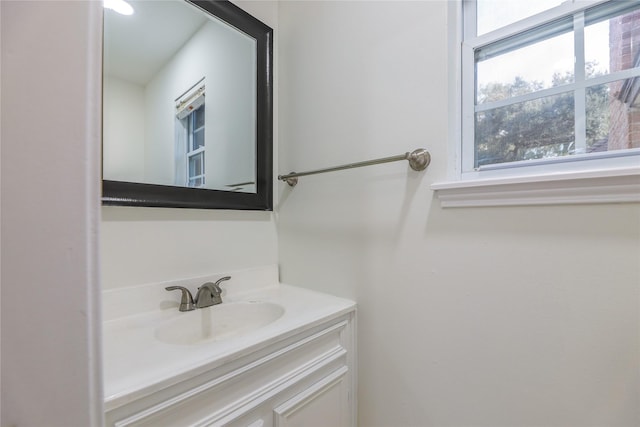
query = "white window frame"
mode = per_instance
[{"x": 594, "y": 178}]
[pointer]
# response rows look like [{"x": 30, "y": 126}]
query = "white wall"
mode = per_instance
[
  {"x": 226, "y": 60},
  {"x": 50, "y": 129},
  {"x": 469, "y": 317},
  {"x": 143, "y": 245},
  {"x": 123, "y": 137}
]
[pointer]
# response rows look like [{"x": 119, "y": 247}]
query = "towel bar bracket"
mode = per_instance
[
  {"x": 292, "y": 181},
  {"x": 419, "y": 159}
]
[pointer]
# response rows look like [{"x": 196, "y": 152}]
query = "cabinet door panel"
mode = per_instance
[{"x": 326, "y": 403}]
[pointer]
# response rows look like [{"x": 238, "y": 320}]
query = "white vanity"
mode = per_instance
[{"x": 269, "y": 355}]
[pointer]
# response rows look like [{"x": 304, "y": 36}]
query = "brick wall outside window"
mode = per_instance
[{"x": 624, "y": 46}]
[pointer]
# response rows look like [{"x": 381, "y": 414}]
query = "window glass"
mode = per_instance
[
  {"x": 195, "y": 152},
  {"x": 612, "y": 44},
  {"x": 613, "y": 116},
  {"x": 196, "y": 164},
  {"x": 493, "y": 14},
  {"x": 535, "y": 129},
  {"x": 596, "y": 48},
  {"x": 199, "y": 117},
  {"x": 540, "y": 65},
  {"x": 198, "y": 139},
  {"x": 196, "y": 182},
  {"x": 196, "y": 128}
]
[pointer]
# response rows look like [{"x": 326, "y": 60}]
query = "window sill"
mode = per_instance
[{"x": 605, "y": 186}]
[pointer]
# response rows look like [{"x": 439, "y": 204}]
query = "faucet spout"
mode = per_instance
[{"x": 209, "y": 293}]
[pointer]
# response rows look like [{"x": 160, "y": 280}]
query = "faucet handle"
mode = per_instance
[
  {"x": 209, "y": 293},
  {"x": 217, "y": 284},
  {"x": 186, "y": 302}
]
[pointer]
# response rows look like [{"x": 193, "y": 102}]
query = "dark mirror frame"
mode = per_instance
[{"x": 121, "y": 193}]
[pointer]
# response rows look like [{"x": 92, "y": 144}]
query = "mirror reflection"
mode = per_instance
[{"x": 179, "y": 101}]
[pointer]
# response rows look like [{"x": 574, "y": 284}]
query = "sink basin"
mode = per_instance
[{"x": 218, "y": 322}]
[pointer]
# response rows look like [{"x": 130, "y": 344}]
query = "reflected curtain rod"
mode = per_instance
[{"x": 418, "y": 159}]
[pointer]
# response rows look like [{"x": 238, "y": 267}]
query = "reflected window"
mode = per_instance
[
  {"x": 190, "y": 139},
  {"x": 195, "y": 152}
]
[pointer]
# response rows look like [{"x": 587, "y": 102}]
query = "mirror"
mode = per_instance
[{"x": 187, "y": 106}]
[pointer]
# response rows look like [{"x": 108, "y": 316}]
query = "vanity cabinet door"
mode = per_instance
[{"x": 326, "y": 403}]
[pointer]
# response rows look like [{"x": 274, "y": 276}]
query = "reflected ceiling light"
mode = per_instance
[{"x": 120, "y": 6}]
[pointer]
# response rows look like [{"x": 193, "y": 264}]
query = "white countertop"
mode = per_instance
[{"x": 136, "y": 363}]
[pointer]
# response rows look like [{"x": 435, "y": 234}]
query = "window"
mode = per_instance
[
  {"x": 195, "y": 150},
  {"x": 549, "y": 85},
  {"x": 190, "y": 138}
]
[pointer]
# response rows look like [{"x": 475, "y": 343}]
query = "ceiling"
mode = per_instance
[{"x": 138, "y": 45}]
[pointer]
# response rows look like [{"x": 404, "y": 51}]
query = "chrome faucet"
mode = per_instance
[{"x": 208, "y": 295}]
